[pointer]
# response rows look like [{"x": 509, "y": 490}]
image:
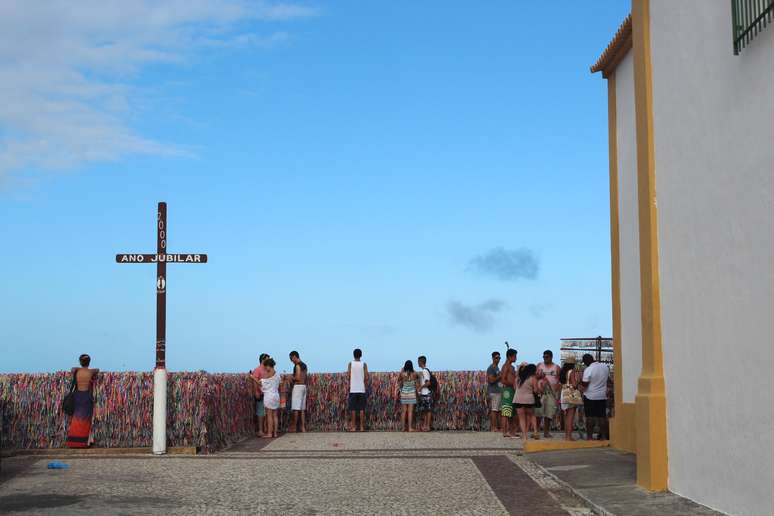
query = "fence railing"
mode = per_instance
[{"x": 749, "y": 18}]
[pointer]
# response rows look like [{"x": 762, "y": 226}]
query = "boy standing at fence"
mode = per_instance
[
  {"x": 425, "y": 405},
  {"x": 358, "y": 376},
  {"x": 298, "y": 394}
]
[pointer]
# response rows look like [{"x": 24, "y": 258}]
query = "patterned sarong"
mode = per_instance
[
  {"x": 548, "y": 403},
  {"x": 80, "y": 423},
  {"x": 506, "y": 404}
]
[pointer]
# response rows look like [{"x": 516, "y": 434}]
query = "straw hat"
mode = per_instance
[{"x": 570, "y": 359}]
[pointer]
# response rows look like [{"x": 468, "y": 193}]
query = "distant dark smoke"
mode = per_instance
[
  {"x": 478, "y": 318},
  {"x": 507, "y": 265}
]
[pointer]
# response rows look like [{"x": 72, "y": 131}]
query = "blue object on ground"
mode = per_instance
[{"x": 58, "y": 465}]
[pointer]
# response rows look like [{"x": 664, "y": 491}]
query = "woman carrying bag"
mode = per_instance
[{"x": 571, "y": 397}]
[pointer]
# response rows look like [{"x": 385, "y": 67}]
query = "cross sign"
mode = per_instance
[{"x": 161, "y": 259}]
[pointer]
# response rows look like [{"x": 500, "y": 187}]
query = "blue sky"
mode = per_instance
[{"x": 405, "y": 177}]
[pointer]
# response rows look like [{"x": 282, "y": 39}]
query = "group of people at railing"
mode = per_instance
[
  {"x": 556, "y": 396},
  {"x": 522, "y": 399}
]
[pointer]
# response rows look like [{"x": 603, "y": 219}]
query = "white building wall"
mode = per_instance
[
  {"x": 628, "y": 221},
  {"x": 714, "y": 151}
]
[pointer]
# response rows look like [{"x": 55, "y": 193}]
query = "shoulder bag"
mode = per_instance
[
  {"x": 68, "y": 402},
  {"x": 570, "y": 394},
  {"x": 535, "y": 394}
]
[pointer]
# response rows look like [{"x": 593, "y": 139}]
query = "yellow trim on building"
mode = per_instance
[
  {"x": 640, "y": 426},
  {"x": 624, "y": 427},
  {"x": 650, "y": 401}
]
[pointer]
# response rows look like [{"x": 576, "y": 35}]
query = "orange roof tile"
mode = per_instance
[{"x": 616, "y": 49}]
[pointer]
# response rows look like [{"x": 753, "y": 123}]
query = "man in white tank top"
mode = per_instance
[{"x": 358, "y": 377}]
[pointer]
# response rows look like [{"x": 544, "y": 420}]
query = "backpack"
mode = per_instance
[{"x": 434, "y": 388}]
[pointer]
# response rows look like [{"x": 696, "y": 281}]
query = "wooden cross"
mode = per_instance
[{"x": 161, "y": 259}]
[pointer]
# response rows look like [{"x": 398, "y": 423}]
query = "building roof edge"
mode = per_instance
[{"x": 615, "y": 50}]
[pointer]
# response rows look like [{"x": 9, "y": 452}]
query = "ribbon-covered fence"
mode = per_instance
[
  {"x": 463, "y": 403},
  {"x": 210, "y": 411}
]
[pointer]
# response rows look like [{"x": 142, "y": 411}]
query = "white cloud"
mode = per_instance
[
  {"x": 478, "y": 318},
  {"x": 65, "y": 69},
  {"x": 507, "y": 264}
]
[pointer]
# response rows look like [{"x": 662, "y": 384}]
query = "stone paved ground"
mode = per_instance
[
  {"x": 303, "y": 474},
  {"x": 606, "y": 478},
  {"x": 393, "y": 441}
]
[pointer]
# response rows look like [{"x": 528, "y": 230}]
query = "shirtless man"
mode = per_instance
[
  {"x": 508, "y": 379},
  {"x": 298, "y": 395}
]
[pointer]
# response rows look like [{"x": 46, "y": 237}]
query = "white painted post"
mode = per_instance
[{"x": 159, "y": 411}]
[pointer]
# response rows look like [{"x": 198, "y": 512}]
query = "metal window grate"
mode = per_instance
[
  {"x": 601, "y": 348},
  {"x": 749, "y": 17}
]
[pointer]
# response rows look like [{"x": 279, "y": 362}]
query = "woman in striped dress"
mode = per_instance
[{"x": 408, "y": 382}]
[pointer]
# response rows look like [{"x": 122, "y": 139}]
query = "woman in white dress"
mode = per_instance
[{"x": 271, "y": 398}]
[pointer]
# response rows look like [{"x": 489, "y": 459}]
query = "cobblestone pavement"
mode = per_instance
[
  {"x": 303, "y": 474},
  {"x": 392, "y": 441}
]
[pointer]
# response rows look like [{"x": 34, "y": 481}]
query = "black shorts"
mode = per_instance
[
  {"x": 594, "y": 408},
  {"x": 425, "y": 403},
  {"x": 523, "y": 405},
  {"x": 357, "y": 401}
]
